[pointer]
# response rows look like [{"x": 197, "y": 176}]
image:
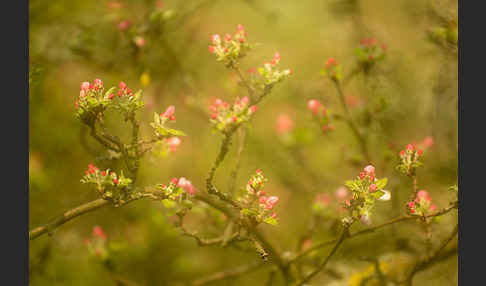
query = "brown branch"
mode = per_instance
[
  {"x": 67, "y": 216},
  {"x": 359, "y": 136},
  {"x": 236, "y": 168},
  {"x": 372, "y": 229},
  {"x": 344, "y": 236},
  {"x": 423, "y": 264}
]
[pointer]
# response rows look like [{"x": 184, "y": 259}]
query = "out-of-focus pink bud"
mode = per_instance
[
  {"x": 215, "y": 39},
  {"x": 169, "y": 112},
  {"x": 284, "y": 124},
  {"x": 428, "y": 141},
  {"x": 98, "y": 232},
  {"x": 341, "y": 193},
  {"x": 313, "y": 106},
  {"x": 123, "y": 85},
  {"x": 253, "y": 108},
  {"x": 124, "y": 25},
  {"x": 262, "y": 200},
  {"x": 174, "y": 142},
  {"x": 410, "y": 147}
]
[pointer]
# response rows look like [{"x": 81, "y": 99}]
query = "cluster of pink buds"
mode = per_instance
[
  {"x": 178, "y": 186},
  {"x": 284, "y": 124},
  {"x": 269, "y": 74},
  {"x": 256, "y": 183},
  {"x": 370, "y": 51},
  {"x": 409, "y": 160},
  {"x": 224, "y": 115},
  {"x": 124, "y": 90},
  {"x": 366, "y": 189},
  {"x": 332, "y": 69},
  {"x": 231, "y": 48},
  {"x": 320, "y": 114},
  {"x": 105, "y": 180},
  {"x": 97, "y": 245},
  {"x": 255, "y": 193},
  {"x": 422, "y": 205}
]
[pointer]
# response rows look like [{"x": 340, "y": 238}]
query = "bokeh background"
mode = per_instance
[{"x": 415, "y": 87}]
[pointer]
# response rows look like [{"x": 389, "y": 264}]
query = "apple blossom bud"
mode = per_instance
[
  {"x": 262, "y": 200},
  {"x": 369, "y": 169},
  {"x": 123, "y": 85},
  {"x": 253, "y": 108},
  {"x": 85, "y": 86},
  {"x": 215, "y": 39},
  {"x": 372, "y": 188},
  {"x": 313, "y": 106},
  {"x": 410, "y": 147},
  {"x": 174, "y": 181}
]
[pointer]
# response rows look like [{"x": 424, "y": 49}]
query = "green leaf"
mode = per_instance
[
  {"x": 176, "y": 132},
  {"x": 270, "y": 220},
  {"x": 380, "y": 184}
]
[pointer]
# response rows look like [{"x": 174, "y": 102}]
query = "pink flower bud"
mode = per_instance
[
  {"x": 274, "y": 215},
  {"x": 240, "y": 28},
  {"x": 313, "y": 106},
  {"x": 186, "y": 185},
  {"x": 258, "y": 171},
  {"x": 422, "y": 194},
  {"x": 419, "y": 152},
  {"x": 253, "y": 108},
  {"x": 428, "y": 141},
  {"x": 123, "y": 85},
  {"x": 433, "y": 207},
  {"x": 245, "y": 100},
  {"x": 215, "y": 39},
  {"x": 261, "y": 193},
  {"x": 85, "y": 86},
  {"x": 174, "y": 142},
  {"x": 402, "y": 153},
  {"x": 372, "y": 188},
  {"x": 103, "y": 173},
  {"x": 211, "y": 49},
  {"x": 262, "y": 200},
  {"x": 330, "y": 62},
  {"x": 174, "y": 181},
  {"x": 241, "y": 40},
  {"x": 411, "y": 204},
  {"x": 341, "y": 193},
  {"x": 124, "y": 25},
  {"x": 98, "y": 232},
  {"x": 284, "y": 124},
  {"x": 98, "y": 82},
  {"x": 410, "y": 147},
  {"x": 115, "y": 181},
  {"x": 139, "y": 41},
  {"x": 227, "y": 37},
  {"x": 369, "y": 169},
  {"x": 111, "y": 96},
  {"x": 272, "y": 201},
  {"x": 169, "y": 112}
]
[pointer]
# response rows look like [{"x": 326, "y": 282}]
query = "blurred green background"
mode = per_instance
[{"x": 415, "y": 88}]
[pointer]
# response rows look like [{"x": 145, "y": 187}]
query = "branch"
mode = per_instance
[
  {"x": 361, "y": 139},
  {"x": 372, "y": 229},
  {"x": 75, "y": 212},
  {"x": 423, "y": 264},
  {"x": 344, "y": 236},
  {"x": 236, "y": 168},
  {"x": 67, "y": 216}
]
